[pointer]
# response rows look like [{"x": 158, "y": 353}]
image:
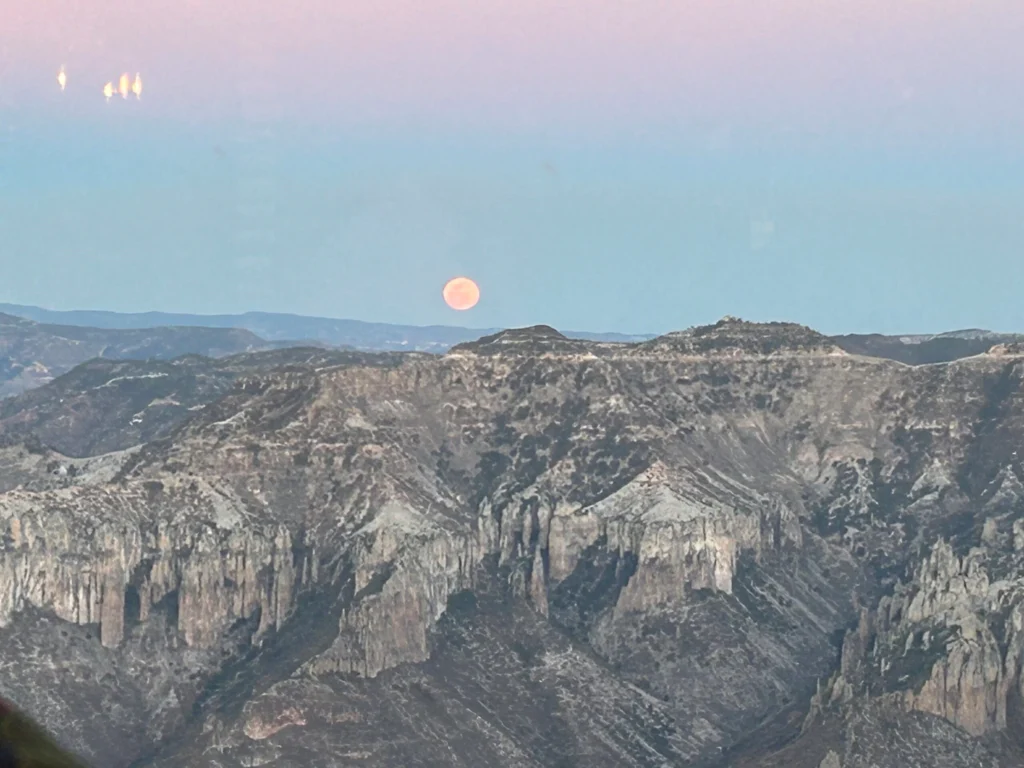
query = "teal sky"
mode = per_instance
[{"x": 857, "y": 172}]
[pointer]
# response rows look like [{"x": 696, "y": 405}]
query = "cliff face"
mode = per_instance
[
  {"x": 950, "y": 642},
  {"x": 107, "y": 555},
  {"x": 976, "y": 682},
  {"x": 609, "y": 554}
]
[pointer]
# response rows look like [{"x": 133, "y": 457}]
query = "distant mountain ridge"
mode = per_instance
[
  {"x": 275, "y": 326},
  {"x": 924, "y": 349},
  {"x": 33, "y": 353},
  {"x": 913, "y": 349},
  {"x": 163, "y": 335}
]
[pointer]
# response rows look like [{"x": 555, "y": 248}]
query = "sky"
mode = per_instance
[{"x": 602, "y": 165}]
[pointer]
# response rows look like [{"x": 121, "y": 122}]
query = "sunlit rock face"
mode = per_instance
[{"x": 538, "y": 551}]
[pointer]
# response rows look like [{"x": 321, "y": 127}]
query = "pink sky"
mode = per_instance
[{"x": 802, "y": 65}]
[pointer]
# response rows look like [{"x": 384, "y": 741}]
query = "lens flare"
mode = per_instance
[
  {"x": 108, "y": 90},
  {"x": 137, "y": 86},
  {"x": 124, "y": 85},
  {"x": 62, "y": 79}
]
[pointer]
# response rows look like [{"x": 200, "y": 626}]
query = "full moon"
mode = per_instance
[{"x": 461, "y": 293}]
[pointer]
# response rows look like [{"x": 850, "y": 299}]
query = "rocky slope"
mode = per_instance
[
  {"x": 34, "y": 353},
  {"x": 111, "y": 405},
  {"x": 538, "y": 551}
]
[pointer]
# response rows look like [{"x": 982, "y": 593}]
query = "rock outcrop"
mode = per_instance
[{"x": 949, "y": 643}]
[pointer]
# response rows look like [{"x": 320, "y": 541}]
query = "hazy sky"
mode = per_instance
[{"x": 633, "y": 165}]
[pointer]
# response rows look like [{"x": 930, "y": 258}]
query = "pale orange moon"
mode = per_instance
[{"x": 461, "y": 293}]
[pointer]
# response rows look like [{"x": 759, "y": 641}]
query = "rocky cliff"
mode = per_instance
[
  {"x": 947, "y": 643},
  {"x": 537, "y": 551}
]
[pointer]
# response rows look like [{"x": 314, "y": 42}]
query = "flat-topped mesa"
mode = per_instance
[
  {"x": 532, "y": 340},
  {"x": 734, "y": 337}
]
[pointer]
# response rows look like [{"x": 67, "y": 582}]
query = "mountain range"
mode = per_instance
[
  {"x": 33, "y": 353},
  {"x": 737, "y": 545},
  {"x": 281, "y": 327},
  {"x": 38, "y": 344}
]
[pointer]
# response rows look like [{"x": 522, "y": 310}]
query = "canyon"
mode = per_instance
[{"x": 740, "y": 544}]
